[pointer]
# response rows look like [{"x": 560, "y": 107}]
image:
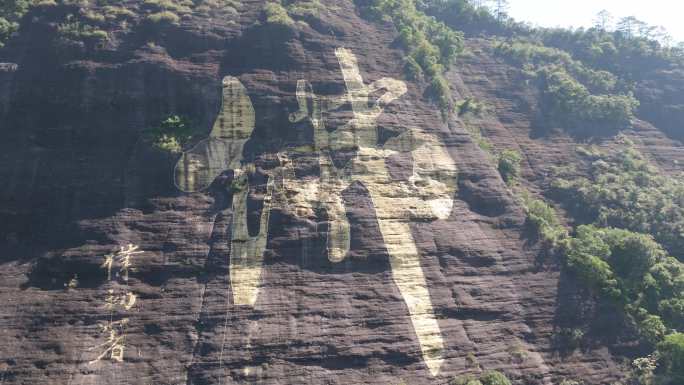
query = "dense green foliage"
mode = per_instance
[
  {"x": 587, "y": 80},
  {"x": 573, "y": 95},
  {"x": 638, "y": 57},
  {"x": 171, "y": 134},
  {"x": 534, "y": 56},
  {"x": 632, "y": 207},
  {"x": 470, "y": 18},
  {"x": 626, "y": 51},
  {"x": 609, "y": 64},
  {"x": 569, "y": 103},
  {"x": 431, "y": 45},
  {"x": 624, "y": 54},
  {"x": 93, "y": 21},
  {"x": 623, "y": 190},
  {"x": 633, "y": 269}
]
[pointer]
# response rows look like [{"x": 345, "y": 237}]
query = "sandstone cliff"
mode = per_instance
[{"x": 325, "y": 225}]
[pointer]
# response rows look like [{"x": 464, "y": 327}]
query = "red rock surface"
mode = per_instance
[{"x": 79, "y": 181}]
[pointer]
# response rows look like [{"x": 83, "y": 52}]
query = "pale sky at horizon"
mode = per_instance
[{"x": 581, "y": 13}]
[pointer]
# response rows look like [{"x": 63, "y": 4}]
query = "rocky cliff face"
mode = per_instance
[{"x": 326, "y": 226}]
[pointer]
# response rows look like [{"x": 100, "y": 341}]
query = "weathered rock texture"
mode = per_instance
[{"x": 80, "y": 181}]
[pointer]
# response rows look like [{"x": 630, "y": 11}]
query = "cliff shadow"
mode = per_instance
[{"x": 75, "y": 148}]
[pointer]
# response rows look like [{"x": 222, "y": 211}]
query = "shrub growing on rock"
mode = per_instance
[
  {"x": 493, "y": 377},
  {"x": 162, "y": 17},
  {"x": 277, "y": 14},
  {"x": 509, "y": 165},
  {"x": 544, "y": 219},
  {"x": 172, "y": 133}
]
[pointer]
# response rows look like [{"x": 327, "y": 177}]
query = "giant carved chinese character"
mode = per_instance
[{"x": 426, "y": 195}]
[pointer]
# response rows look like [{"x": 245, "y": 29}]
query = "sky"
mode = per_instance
[{"x": 581, "y": 13}]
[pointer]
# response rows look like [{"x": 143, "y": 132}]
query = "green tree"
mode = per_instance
[
  {"x": 587, "y": 256},
  {"x": 494, "y": 378},
  {"x": 672, "y": 355},
  {"x": 501, "y": 8},
  {"x": 632, "y": 254},
  {"x": 629, "y": 26},
  {"x": 623, "y": 190},
  {"x": 652, "y": 329},
  {"x": 544, "y": 219},
  {"x": 672, "y": 310},
  {"x": 661, "y": 34},
  {"x": 603, "y": 20},
  {"x": 171, "y": 134},
  {"x": 509, "y": 165}
]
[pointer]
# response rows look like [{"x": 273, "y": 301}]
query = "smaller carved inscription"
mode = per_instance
[
  {"x": 8, "y": 67},
  {"x": 118, "y": 299}
]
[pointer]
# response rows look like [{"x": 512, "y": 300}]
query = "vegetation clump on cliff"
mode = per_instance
[
  {"x": 632, "y": 214},
  {"x": 431, "y": 45},
  {"x": 573, "y": 95},
  {"x": 584, "y": 86},
  {"x": 277, "y": 14},
  {"x": 629, "y": 235},
  {"x": 509, "y": 165},
  {"x": 285, "y": 12},
  {"x": 490, "y": 377},
  {"x": 593, "y": 80},
  {"x": 623, "y": 190},
  {"x": 94, "y": 21},
  {"x": 629, "y": 208},
  {"x": 11, "y": 12},
  {"x": 171, "y": 134}
]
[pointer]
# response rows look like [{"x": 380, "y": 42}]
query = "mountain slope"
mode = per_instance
[{"x": 85, "y": 178}]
